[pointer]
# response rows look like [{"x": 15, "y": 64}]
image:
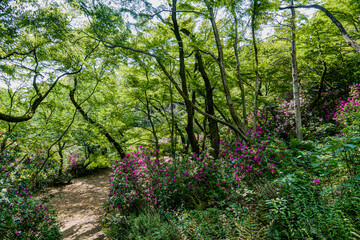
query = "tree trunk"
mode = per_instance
[
  {"x": 39, "y": 98},
  {"x": 189, "y": 110},
  {"x": 238, "y": 74},
  {"x": 3, "y": 144},
  {"x": 295, "y": 79},
  {"x": 61, "y": 148},
  {"x": 322, "y": 80},
  {"x": 173, "y": 140},
  {"x": 220, "y": 62},
  {"x": 213, "y": 126},
  {"x": 153, "y": 130},
  {"x": 182, "y": 137},
  {"x": 256, "y": 65}
]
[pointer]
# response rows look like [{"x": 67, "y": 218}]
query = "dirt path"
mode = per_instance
[{"x": 80, "y": 206}]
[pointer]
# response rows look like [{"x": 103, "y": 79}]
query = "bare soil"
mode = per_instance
[{"x": 80, "y": 206}]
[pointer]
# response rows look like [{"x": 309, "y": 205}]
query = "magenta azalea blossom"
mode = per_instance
[{"x": 316, "y": 181}]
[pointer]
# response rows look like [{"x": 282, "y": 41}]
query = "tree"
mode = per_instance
[
  {"x": 254, "y": 12},
  {"x": 160, "y": 61},
  {"x": 296, "y": 88},
  {"x": 182, "y": 72},
  {"x": 238, "y": 71},
  {"x": 220, "y": 61}
]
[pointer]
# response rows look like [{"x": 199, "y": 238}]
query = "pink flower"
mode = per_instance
[{"x": 316, "y": 181}]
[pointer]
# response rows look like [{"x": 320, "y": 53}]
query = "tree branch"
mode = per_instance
[
  {"x": 15, "y": 53},
  {"x": 30, "y": 113}
]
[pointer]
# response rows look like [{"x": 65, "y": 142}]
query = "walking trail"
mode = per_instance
[{"x": 80, "y": 205}]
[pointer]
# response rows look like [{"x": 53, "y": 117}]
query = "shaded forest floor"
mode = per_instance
[{"x": 80, "y": 205}]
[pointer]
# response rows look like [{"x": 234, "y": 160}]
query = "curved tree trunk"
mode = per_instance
[
  {"x": 111, "y": 140},
  {"x": 341, "y": 28},
  {"x": 39, "y": 96},
  {"x": 213, "y": 126}
]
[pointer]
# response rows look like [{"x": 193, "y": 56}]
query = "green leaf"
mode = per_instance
[
  {"x": 315, "y": 165},
  {"x": 352, "y": 146},
  {"x": 339, "y": 150},
  {"x": 358, "y": 177}
]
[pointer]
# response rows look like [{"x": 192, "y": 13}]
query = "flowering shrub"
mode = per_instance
[
  {"x": 141, "y": 180},
  {"x": 345, "y": 155},
  {"x": 279, "y": 117},
  {"x": 247, "y": 162},
  {"x": 311, "y": 205},
  {"x": 347, "y": 108},
  {"x": 326, "y": 108},
  {"x": 29, "y": 169},
  {"x": 21, "y": 216},
  {"x": 164, "y": 141},
  {"x": 76, "y": 167}
]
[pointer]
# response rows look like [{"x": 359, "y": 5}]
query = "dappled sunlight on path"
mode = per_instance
[{"x": 80, "y": 206}]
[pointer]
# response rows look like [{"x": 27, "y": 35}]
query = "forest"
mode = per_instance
[{"x": 219, "y": 119}]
